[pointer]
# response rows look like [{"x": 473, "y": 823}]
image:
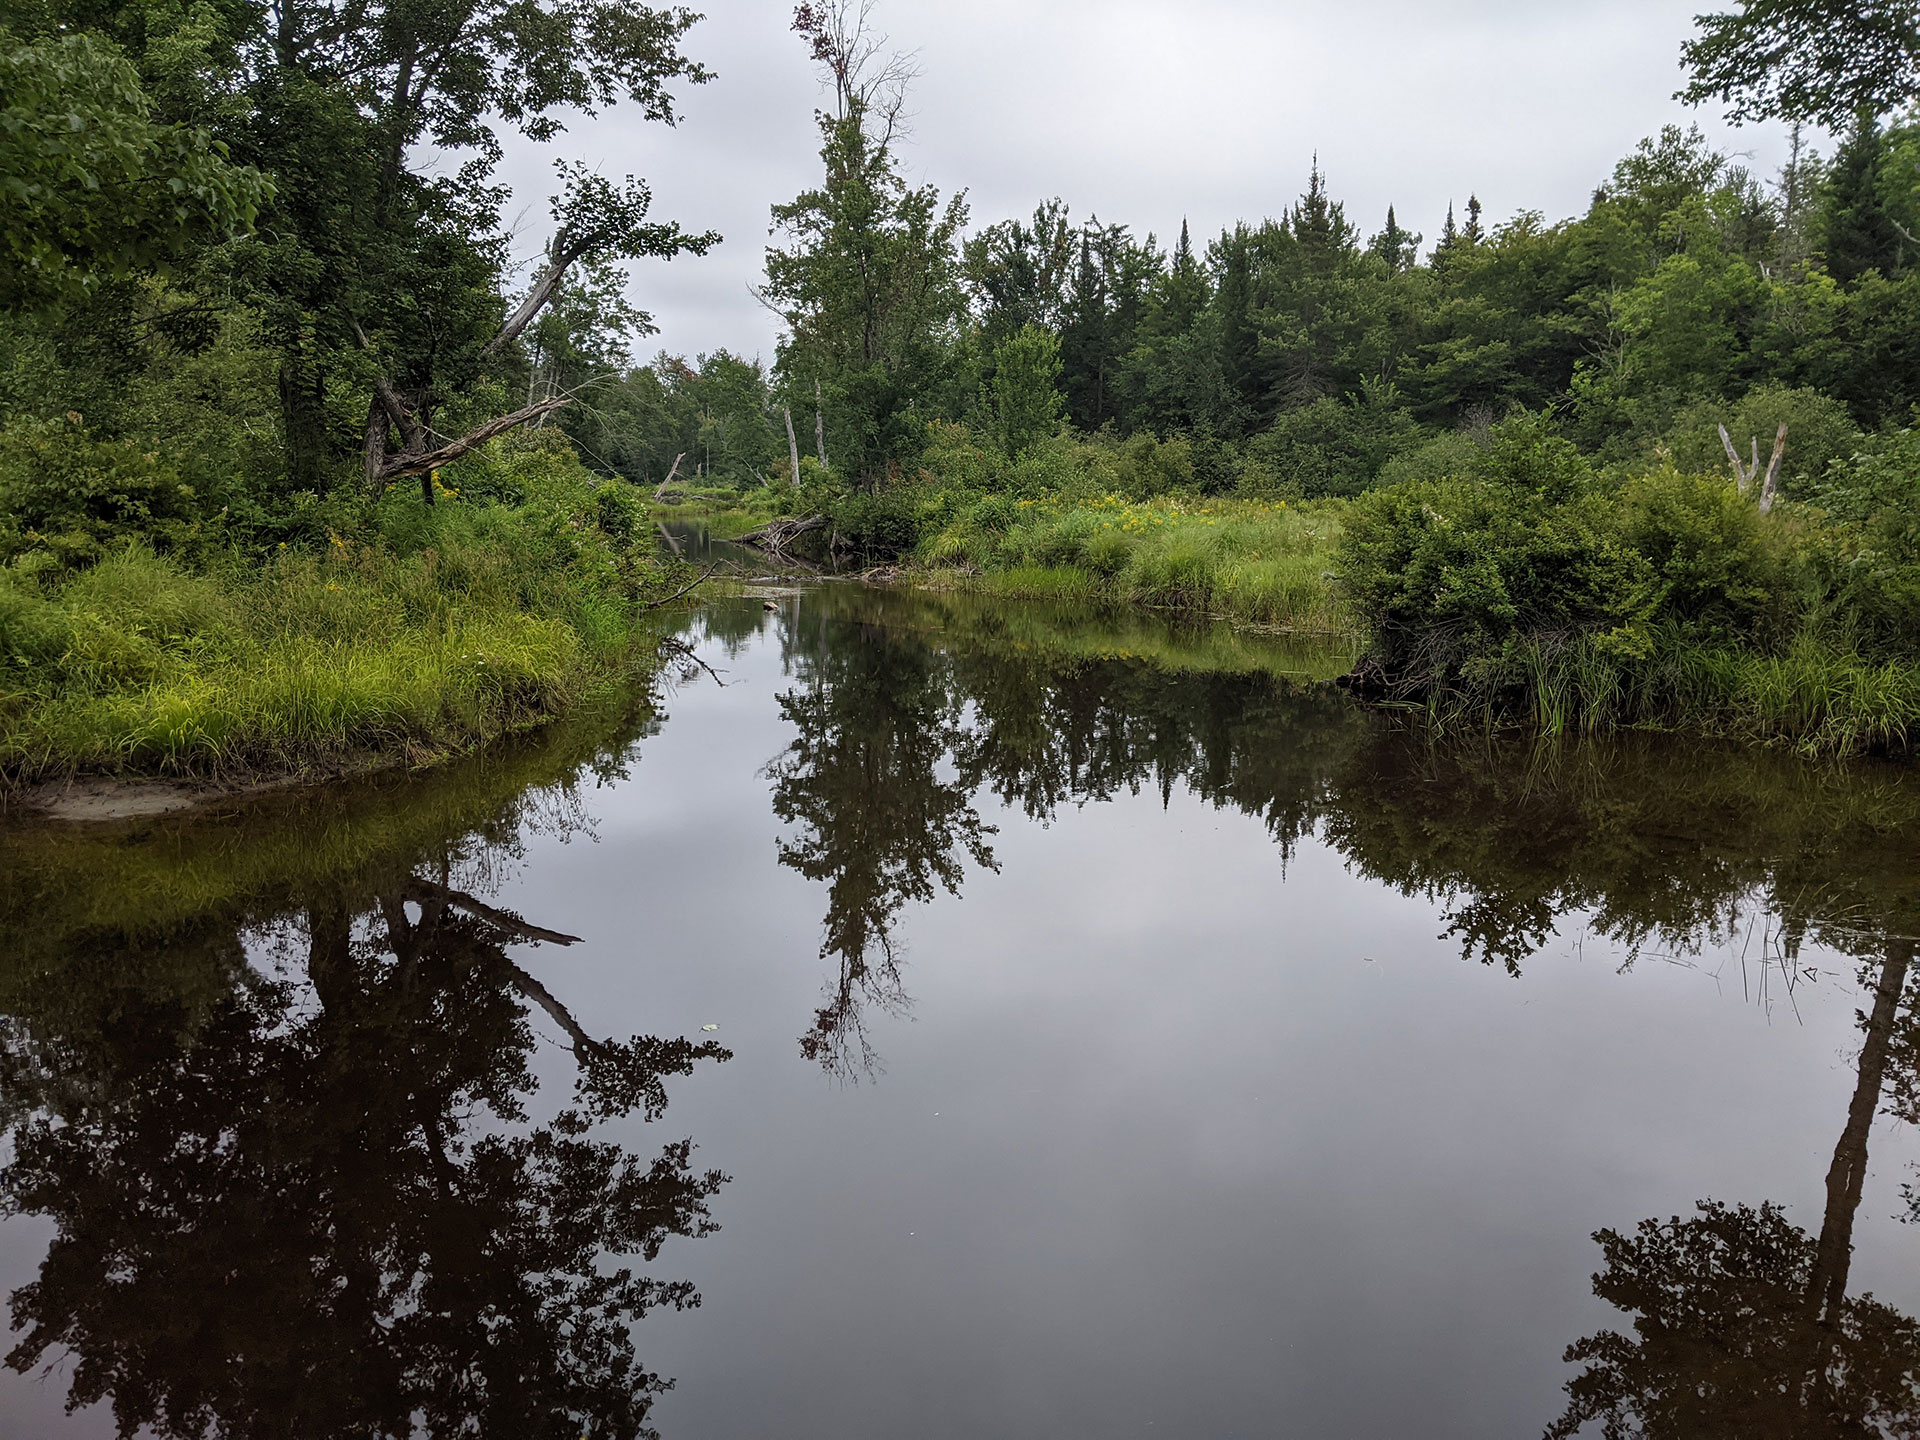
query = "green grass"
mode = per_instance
[
  {"x": 1245, "y": 560},
  {"x": 430, "y": 633},
  {"x": 1815, "y": 696}
]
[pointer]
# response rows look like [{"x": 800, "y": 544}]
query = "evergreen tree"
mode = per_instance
[
  {"x": 1234, "y": 307},
  {"x": 1398, "y": 248},
  {"x": 1185, "y": 292},
  {"x": 1449, "y": 241},
  {"x": 1473, "y": 234},
  {"x": 1087, "y": 349},
  {"x": 1861, "y": 234}
]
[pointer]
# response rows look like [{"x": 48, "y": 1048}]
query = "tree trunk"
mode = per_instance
[
  {"x": 1769, "y": 491},
  {"x": 374, "y": 453},
  {"x": 424, "y": 462},
  {"x": 559, "y": 258},
  {"x": 793, "y": 446},
  {"x": 820, "y": 426},
  {"x": 661, "y": 491},
  {"x": 1833, "y": 1256},
  {"x": 302, "y": 421}
]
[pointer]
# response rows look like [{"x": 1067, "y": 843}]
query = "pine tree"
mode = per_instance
[
  {"x": 1086, "y": 340},
  {"x": 1861, "y": 235},
  {"x": 1234, "y": 304},
  {"x": 1473, "y": 233},
  {"x": 1397, "y": 247},
  {"x": 1185, "y": 293},
  {"x": 1449, "y": 241}
]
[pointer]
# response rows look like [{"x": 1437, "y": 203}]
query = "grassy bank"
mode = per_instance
[
  {"x": 408, "y": 632},
  {"x": 1246, "y": 560}
]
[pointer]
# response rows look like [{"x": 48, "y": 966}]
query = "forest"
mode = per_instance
[{"x": 297, "y": 469}]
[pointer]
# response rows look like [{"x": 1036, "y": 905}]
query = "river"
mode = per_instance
[{"x": 944, "y": 1018}]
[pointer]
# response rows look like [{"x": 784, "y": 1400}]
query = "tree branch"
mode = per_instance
[
  {"x": 424, "y": 890},
  {"x": 419, "y": 464}
]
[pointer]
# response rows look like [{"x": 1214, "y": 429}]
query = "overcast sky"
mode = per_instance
[{"x": 1145, "y": 111}]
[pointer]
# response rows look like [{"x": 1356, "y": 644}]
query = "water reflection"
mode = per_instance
[
  {"x": 272, "y": 1080},
  {"x": 880, "y": 818},
  {"x": 1743, "y": 1325},
  {"x": 288, "y": 1145},
  {"x": 905, "y": 710}
]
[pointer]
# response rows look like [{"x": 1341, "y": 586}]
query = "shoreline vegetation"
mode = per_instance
[
  {"x": 1526, "y": 584},
  {"x": 296, "y": 481},
  {"x": 407, "y": 636}
]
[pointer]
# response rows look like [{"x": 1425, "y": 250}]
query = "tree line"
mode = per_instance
[{"x": 1304, "y": 352}]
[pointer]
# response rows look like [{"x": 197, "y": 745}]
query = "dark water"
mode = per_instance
[{"x": 1113, "y": 1036}]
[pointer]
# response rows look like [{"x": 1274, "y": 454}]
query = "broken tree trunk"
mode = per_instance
[
  {"x": 1769, "y": 491},
  {"x": 1745, "y": 473},
  {"x": 1740, "y": 477},
  {"x": 426, "y": 462},
  {"x": 793, "y": 446},
  {"x": 671, "y": 472}
]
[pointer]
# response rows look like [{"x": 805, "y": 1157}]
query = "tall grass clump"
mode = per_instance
[{"x": 419, "y": 631}]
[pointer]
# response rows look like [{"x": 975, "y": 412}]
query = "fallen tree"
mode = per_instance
[
  {"x": 595, "y": 219},
  {"x": 775, "y": 536}
]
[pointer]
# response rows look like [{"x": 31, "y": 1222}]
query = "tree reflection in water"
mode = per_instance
[
  {"x": 308, "y": 1199},
  {"x": 882, "y": 820},
  {"x": 1744, "y": 1326}
]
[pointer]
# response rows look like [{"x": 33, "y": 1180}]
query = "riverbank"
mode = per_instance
[
  {"x": 1532, "y": 589},
  {"x": 410, "y": 634}
]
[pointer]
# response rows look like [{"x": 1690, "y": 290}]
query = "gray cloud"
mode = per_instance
[{"x": 1145, "y": 111}]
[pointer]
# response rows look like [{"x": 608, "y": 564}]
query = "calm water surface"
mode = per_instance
[{"x": 1004, "y": 1023}]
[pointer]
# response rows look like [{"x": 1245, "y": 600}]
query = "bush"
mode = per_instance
[
  {"x": 1721, "y": 570},
  {"x": 1819, "y": 432},
  {"x": 1533, "y": 586},
  {"x": 70, "y": 496},
  {"x": 1332, "y": 446},
  {"x": 1872, "y": 564},
  {"x": 876, "y": 528}
]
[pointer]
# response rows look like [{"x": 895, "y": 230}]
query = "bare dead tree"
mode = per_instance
[
  {"x": 1744, "y": 474},
  {"x": 793, "y": 445},
  {"x": 869, "y": 84},
  {"x": 660, "y": 493},
  {"x": 594, "y": 217}
]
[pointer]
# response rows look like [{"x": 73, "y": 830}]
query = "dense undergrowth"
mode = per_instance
[
  {"x": 138, "y": 641},
  {"x": 1534, "y": 585}
]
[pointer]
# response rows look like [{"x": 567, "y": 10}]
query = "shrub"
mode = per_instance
[
  {"x": 1873, "y": 562},
  {"x": 1332, "y": 446},
  {"x": 1819, "y": 432},
  {"x": 1721, "y": 570},
  {"x": 72, "y": 496}
]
